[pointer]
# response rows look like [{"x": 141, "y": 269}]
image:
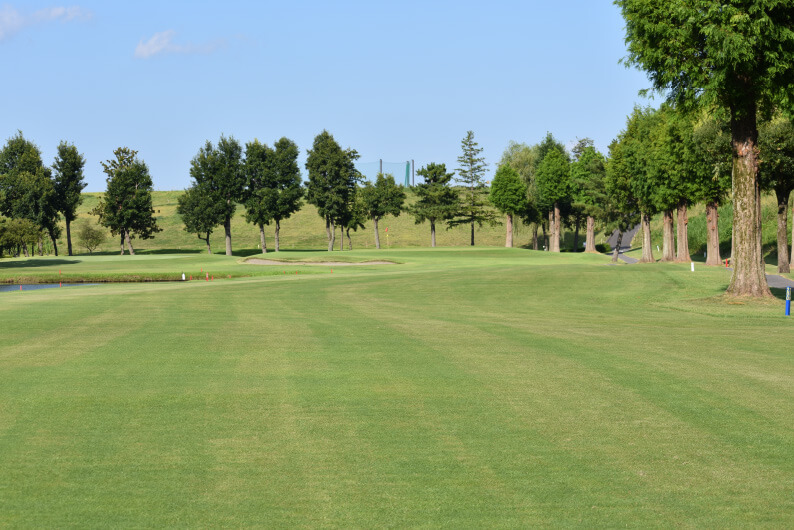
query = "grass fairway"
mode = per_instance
[{"x": 459, "y": 388}]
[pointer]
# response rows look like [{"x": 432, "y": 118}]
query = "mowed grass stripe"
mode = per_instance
[{"x": 476, "y": 394}]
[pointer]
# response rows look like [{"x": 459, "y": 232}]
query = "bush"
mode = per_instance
[
  {"x": 603, "y": 248},
  {"x": 90, "y": 236}
]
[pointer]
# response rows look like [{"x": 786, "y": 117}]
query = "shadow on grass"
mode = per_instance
[
  {"x": 30, "y": 263},
  {"x": 779, "y": 293}
]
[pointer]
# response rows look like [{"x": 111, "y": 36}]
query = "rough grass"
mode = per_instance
[{"x": 460, "y": 388}]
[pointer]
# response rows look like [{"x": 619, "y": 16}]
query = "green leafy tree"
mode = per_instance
[
  {"x": 126, "y": 208},
  {"x": 473, "y": 208},
  {"x": 509, "y": 195},
  {"x": 26, "y": 187},
  {"x": 589, "y": 194},
  {"x": 356, "y": 218},
  {"x": 201, "y": 212},
  {"x": 776, "y": 141},
  {"x": 68, "y": 172},
  {"x": 712, "y": 141},
  {"x": 621, "y": 205},
  {"x": 18, "y": 235},
  {"x": 435, "y": 199},
  {"x": 90, "y": 236},
  {"x": 524, "y": 160},
  {"x": 383, "y": 198},
  {"x": 739, "y": 55},
  {"x": 273, "y": 189},
  {"x": 552, "y": 179},
  {"x": 218, "y": 172},
  {"x": 332, "y": 184}
]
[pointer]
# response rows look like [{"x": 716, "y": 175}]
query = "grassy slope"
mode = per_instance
[
  {"x": 304, "y": 230},
  {"x": 464, "y": 387}
]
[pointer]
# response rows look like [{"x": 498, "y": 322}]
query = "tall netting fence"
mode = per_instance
[{"x": 403, "y": 172}]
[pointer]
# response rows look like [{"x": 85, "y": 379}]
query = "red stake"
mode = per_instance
[
  {"x": 60, "y": 284},
  {"x": 213, "y": 277},
  {"x": 20, "y": 287}
]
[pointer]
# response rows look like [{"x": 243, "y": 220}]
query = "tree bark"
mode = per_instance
[
  {"x": 791, "y": 256},
  {"x": 682, "y": 252},
  {"x": 782, "y": 230},
  {"x": 509, "y": 236},
  {"x": 617, "y": 247},
  {"x": 576, "y": 222},
  {"x": 207, "y": 240},
  {"x": 69, "y": 237},
  {"x": 647, "y": 251},
  {"x": 25, "y": 250},
  {"x": 128, "y": 239},
  {"x": 713, "y": 238},
  {"x": 349, "y": 241},
  {"x": 555, "y": 230},
  {"x": 668, "y": 237},
  {"x": 122, "y": 241},
  {"x": 54, "y": 244},
  {"x": 545, "y": 236},
  {"x": 227, "y": 227},
  {"x": 330, "y": 234},
  {"x": 433, "y": 233},
  {"x": 589, "y": 238},
  {"x": 749, "y": 278},
  {"x": 341, "y": 237},
  {"x": 535, "y": 236},
  {"x": 278, "y": 229},
  {"x": 262, "y": 240},
  {"x": 472, "y": 233},
  {"x": 377, "y": 236},
  {"x": 41, "y": 247}
]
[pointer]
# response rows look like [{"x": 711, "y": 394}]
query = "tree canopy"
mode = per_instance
[
  {"x": 383, "y": 198},
  {"x": 435, "y": 199},
  {"x": 68, "y": 172}
]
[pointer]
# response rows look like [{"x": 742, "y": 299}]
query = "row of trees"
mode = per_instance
[{"x": 33, "y": 197}]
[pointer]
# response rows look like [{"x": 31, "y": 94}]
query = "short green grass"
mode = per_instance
[{"x": 457, "y": 388}]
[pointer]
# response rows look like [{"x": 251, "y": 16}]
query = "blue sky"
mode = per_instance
[{"x": 395, "y": 81}]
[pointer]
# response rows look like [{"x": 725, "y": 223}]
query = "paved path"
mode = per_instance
[{"x": 625, "y": 243}]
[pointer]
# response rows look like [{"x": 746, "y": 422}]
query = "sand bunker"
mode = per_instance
[{"x": 259, "y": 261}]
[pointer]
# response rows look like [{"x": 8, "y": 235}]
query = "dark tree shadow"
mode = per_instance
[{"x": 30, "y": 263}]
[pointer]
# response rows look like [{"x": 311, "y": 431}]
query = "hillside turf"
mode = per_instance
[{"x": 456, "y": 387}]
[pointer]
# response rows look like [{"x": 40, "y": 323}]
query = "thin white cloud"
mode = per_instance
[
  {"x": 13, "y": 21},
  {"x": 163, "y": 43}
]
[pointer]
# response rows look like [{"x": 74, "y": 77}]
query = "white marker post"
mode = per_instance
[{"x": 693, "y": 266}]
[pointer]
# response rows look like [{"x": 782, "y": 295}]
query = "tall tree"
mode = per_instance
[
  {"x": 509, "y": 195},
  {"x": 776, "y": 141},
  {"x": 471, "y": 171},
  {"x": 201, "y": 212},
  {"x": 524, "y": 159},
  {"x": 435, "y": 199},
  {"x": 621, "y": 205},
  {"x": 712, "y": 141},
  {"x": 333, "y": 178},
  {"x": 218, "y": 172},
  {"x": 588, "y": 191},
  {"x": 273, "y": 189},
  {"x": 383, "y": 198},
  {"x": 68, "y": 169},
  {"x": 126, "y": 208},
  {"x": 26, "y": 187},
  {"x": 553, "y": 181},
  {"x": 738, "y": 54}
]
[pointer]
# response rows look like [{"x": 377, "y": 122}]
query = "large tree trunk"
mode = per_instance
[
  {"x": 349, "y": 241},
  {"x": 576, "y": 222},
  {"x": 509, "y": 235},
  {"x": 278, "y": 229},
  {"x": 433, "y": 233},
  {"x": 54, "y": 244},
  {"x": 207, "y": 240},
  {"x": 647, "y": 251},
  {"x": 472, "y": 233},
  {"x": 555, "y": 231},
  {"x": 668, "y": 239},
  {"x": 69, "y": 237},
  {"x": 377, "y": 236},
  {"x": 227, "y": 226},
  {"x": 782, "y": 230},
  {"x": 122, "y": 241},
  {"x": 545, "y": 236},
  {"x": 128, "y": 239},
  {"x": 535, "y": 236},
  {"x": 617, "y": 247},
  {"x": 25, "y": 250},
  {"x": 749, "y": 278},
  {"x": 682, "y": 252},
  {"x": 713, "y": 238},
  {"x": 589, "y": 238},
  {"x": 262, "y": 240},
  {"x": 329, "y": 234}
]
